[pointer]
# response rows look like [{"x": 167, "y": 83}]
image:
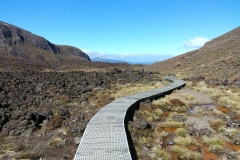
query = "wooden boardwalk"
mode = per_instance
[{"x": 105, "y": 137}]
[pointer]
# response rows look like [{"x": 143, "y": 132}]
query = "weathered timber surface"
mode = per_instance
[{"x": 105, "y": 137}]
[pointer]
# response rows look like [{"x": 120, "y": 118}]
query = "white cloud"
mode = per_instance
[
  {"x": 196, "y": 42},
  {"x": 93, "y": 54}
]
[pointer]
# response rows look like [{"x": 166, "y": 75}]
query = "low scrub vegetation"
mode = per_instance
[
  {"x": 56, "y": 142},
  {"x": 184, "y": 153},
  {"x": 171, "y": 124},
  {"x": 188, "y": 130},
  {"x": 29, "y": 156}
]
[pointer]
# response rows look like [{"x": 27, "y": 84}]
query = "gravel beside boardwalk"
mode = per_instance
[{"x": 105, "y": 136}]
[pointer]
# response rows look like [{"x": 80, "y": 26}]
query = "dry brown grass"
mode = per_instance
[
  {"x": 56, "y": 142},
  {"x": 224, "y": 96},
  {"x": 216, "y": 124},
  {"x": 56, "y": 122},
  {"x": 29, "y": 156},
  {"x": 185, "y": 141},
  {"x": 176, "y": 102},
  {"x": 184, "y": 153},
  {"x": 129, "y": 89},
  {"x": 171, "y": 124},
  {"x": 188, "y": 96},
  {"x": 65, "y": 99}
]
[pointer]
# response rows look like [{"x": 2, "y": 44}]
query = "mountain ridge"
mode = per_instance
[{"x": 18, "y": 43}]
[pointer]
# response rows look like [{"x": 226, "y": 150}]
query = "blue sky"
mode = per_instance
[{"x": 151, "y": 29}]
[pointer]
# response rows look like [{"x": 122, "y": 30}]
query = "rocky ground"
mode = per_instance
[
  {"x": 44, "y": 114},
  {"x": 196, "y": 122},
  {"x": 45, "y": 107}
]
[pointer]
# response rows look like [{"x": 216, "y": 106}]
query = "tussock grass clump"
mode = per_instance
[
  {"x": 144, "y": 140},
  {"x": 151, "y": 115},
  {"x": 216, "y": 124},
  {"x": 181, "y": 132},
  {"x": 180, "y": 109},
  {"x": 184, "y": 153},
  {"x": 29, "y": 156},
  {"x": 162, "y": 134},
  {"x": 232, "y": 132},
  {"x": 232, "y": 101},
  {"x": 188, "y": 96},
  {"x": 161, "y": 154},
  {"x": 216, "y": 148},
  {"x": 185, "y": 141},
  {"x": 56, "y": 142},
  {"x": 171, "y": 124},
  {"x": 158, "y": 112},
  {"x": 172, "y": 114},
  {"x": 154, "y": 115},
  {"x": 211, "y": 141}
]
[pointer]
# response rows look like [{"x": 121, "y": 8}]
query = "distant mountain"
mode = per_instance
[
  {"x": 99, "y": 59},
  {"x": 218, "y": 59},
  {"x": 17, "y": 43}
]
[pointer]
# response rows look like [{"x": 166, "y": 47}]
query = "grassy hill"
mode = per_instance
[{"x": 217, "y": 59}]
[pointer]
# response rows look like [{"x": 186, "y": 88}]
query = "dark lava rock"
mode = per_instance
[
  {"x": 198, "y": 133},
  {"x": 147, "y": 103},
  {"x": 140, "y": 124}
]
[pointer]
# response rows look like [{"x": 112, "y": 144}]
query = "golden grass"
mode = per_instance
[
  {"x": 225, "y": 96},
  {"x": 56, "y": 142},
  {"x": 181, "y": 132},
  {"x": 188, "y": 96},
  {"x": 29, "y": 156},
  {"x": 162, "y": 101},
  {"x": 215, "y": 148},
  {"x": 129, "y": 89},
  {"x": 162, "y": 134},
  {"x": 184, "y": 153},
  {"x": 152, "y": 115},
  {"x": 216, "y": 124},
  {"x": 210, "y": 141},
  {"x": 161, "y": 154},
  {"x": 171, "y": 124},
  {"x": 185, "y": 141}
]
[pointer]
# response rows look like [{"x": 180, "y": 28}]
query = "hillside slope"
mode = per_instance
[
  {"x": 17, "y": 43},
  {"x": 218, "y": 59}
]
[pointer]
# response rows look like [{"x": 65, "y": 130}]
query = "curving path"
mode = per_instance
[{"x": 105, "y": 137}]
